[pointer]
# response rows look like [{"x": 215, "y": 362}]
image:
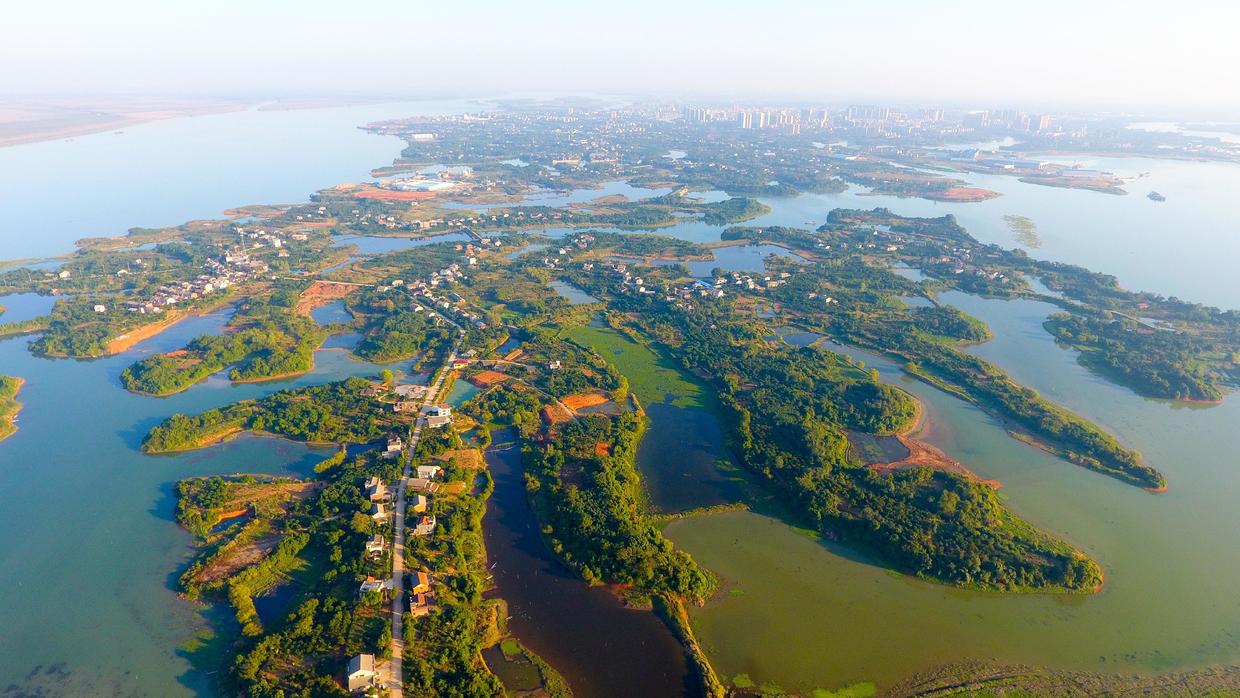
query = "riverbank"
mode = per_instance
[
  {"x": 126, "y": 341},
  {"x": 9, "y": 406},
  {"x": 44, "y": 123},
  {"x": 601, "y": 647}
]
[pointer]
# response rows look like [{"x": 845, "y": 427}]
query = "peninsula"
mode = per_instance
[{"x": 504, "y": 298}]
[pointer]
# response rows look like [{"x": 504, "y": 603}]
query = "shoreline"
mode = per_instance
[
  {"x": 126, "y": 341},
  {"x": 8, "y": 422},
  {"x": 122, "y": 120}
]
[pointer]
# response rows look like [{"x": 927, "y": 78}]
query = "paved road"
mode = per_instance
[{"x": 396, "y": 677}]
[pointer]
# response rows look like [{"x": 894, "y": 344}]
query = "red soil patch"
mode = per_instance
[
  {"x": 580, "y": 400},
  {"x": 486, "y": 378},
  {"x": 234, "y": 514},
  {"x": 964, "y": 194},
  {"x": 922, "y": 455},
  {"x": 321, "y": 293},
  {"x": 602, "y": 449},
  {"x": 554, "y": 414},
  {"x": 389, "y": 195},
  {"x": 127, "y": 340}
]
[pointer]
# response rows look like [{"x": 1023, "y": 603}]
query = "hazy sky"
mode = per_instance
[{"x": 1132, "y": 53}]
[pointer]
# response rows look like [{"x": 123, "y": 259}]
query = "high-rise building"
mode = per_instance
[
  {"x": 745, "y": 119},
  {"x": 762, "y": 119}
]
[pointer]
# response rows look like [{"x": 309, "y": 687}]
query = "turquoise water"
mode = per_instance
[
  {"x": 91, "y": 553},
  {"x": 461, "y": 391}
]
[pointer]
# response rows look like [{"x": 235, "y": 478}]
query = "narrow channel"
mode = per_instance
[{"x": 602, "y": 649}]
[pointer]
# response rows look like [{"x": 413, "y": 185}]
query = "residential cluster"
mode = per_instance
[{"x": 235, "y": 268}]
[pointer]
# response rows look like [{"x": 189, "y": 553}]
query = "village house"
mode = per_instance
[
  {"x": 437, "y": 422},
  {"x": 421, "y": 582},
  {"x": 418, "y": 503},
  {"x": 377, "y": 512},
  {"x": 421, "y": 484},
  {"x": 429, "y": 472},
  {"x": 376, "y": 491},
  {"x": 362, "y": 674},
  {"x": 375, "y": 546},
  {"x": 425, "y": 525},
  {"x": 370, "y": 585},
  {"x": 420, "y": 605},
  {"x": 394, "y": 446},
  {"x": 404, "y": 406}
]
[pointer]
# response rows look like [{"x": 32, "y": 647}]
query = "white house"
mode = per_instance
[
  {"x": 375, "y": 546},
  {"x": 362, "y": 674},
  {"x": 436, "y": 422},
  {"x": 371, "y": 584},
  {"x": 429, "y": 472},
  {"x": 425, "y": 526}
]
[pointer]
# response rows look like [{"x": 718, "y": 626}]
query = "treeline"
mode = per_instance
[
  {"x": 1075, "y": 438},
  {"x": 1193, "y": 362},
  {"x": 733, "y": 210},
  {"x": 950, "y": 322},
  {"x": 267, "y": 340},
  {"x": 793, "y": 237},
  {"x": 1157, "y": 363},
  {"x": 335, "y": 412},
  {"x": 404, "y": 334},
  {"x": 584, "y": 484},
  {"x": 789, "y": 410}
]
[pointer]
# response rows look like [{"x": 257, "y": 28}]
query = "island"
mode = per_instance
[{"x": 492, "y": 287}]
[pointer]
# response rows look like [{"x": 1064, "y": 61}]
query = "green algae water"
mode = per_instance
[
  {"x": 89, "y": 553},
  {"x": 804, "y": 614}
]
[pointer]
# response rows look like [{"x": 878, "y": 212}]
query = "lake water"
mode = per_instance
[
  {"x": 331, "y": 313},
  {"x": 375, "y": 245},
  {"x": 91, "y": 553},
  {"x": 25, "y": 306},
  {"x": 751, "y": 258},
  {"x": 571, "y": 293},
  {"x": 1129, "y": 236},
  {"x": 1171, "y": 563},
  {"x": 601, "y": 648},
  {"x": 167, "y": 172}
]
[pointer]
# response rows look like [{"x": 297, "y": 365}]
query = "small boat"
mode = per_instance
[{"x": 1155, "y": 196}]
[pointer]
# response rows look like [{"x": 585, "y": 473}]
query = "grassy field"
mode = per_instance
[{"x": 652, "y": 376}]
